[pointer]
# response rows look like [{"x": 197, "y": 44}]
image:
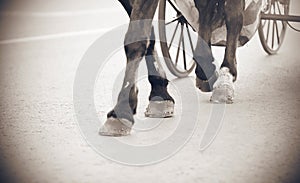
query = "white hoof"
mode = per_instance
[
  {"x": 223, "y": 89},
  {"x": 115, "y": 127},
  {"x": 160, "y": 109}
]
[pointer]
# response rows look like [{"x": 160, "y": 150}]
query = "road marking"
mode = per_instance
[
  {"x": 59, "y": 13},
  {"x": 52, "y": 36}
]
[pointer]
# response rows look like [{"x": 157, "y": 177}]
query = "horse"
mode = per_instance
[{"x": 212, "y": 14}]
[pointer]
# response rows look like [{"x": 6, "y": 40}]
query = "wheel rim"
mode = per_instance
[
  {"x": 177, "y": 44},
  {"x": 272, "y": 32}
]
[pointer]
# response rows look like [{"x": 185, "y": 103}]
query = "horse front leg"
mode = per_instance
[
  {"x": 120, "y": 119},
  {"x": 224, "y": 89},
  {"x": 161, "y": 104}
]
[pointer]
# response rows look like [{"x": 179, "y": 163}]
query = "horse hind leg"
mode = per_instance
[
  {"x": 120, "y": 119},
  {"x": 161, "y": 104},
  {"x": 223, "y": 91},
  {"x": 205, "y": 68}
]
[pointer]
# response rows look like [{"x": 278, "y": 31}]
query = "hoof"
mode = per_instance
[
  {"x": 222, "y": 95},
  {"x": 206, "y": 85},
  {"x": 223, "y": 91},
  {"x": 115, "y": 127},
  {"x": 160, "y": 109}
]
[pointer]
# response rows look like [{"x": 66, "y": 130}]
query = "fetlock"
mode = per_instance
[{"x": 159, "y": 90}]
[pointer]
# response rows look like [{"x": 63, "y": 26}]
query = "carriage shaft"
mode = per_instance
[{"x": 290, "y": 18}]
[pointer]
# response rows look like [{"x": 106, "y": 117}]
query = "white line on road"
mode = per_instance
[
  {"x": 59, "y": 13},
  {"x": 52, "y": 36}
]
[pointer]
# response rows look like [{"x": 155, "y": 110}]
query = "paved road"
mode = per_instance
[{"x": 41, "y": 45}]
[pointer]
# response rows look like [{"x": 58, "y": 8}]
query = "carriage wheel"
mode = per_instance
[
  {"x": 177, "y": 45},
  {"x": 272, "y": 32}
]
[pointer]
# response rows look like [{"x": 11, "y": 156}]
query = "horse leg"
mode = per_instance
[
  {"x": 205, "y": 69},
  {"x": 234, "y": 22},
  {"x": 224, "y": 90},
  {"x": 161, "y": 104},
  {"x": 120, "y": 119}
]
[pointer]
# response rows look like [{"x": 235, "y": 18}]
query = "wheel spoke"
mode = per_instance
[
  {"x": 183, "y": 48},
  {"x": 277, "y": 32},
  {"x": 173, "y": 36},
  {"x": 273, "y": 31},
  {"x": 174, "y": 7},
  {"x": 173, "y": 20},
  {"x": 268, "y": 30},
  {"x": 278, "y": 7},
  {"x": 263, "y": 23},
  {"x": 273, "y": 8},
  {"x": 269, "y": 23},
  {"x": 178, "y": 49},
  {"x": 190, "y": 38}
]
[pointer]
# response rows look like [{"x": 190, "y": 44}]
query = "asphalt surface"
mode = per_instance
[{"x": 41, "y": 46}]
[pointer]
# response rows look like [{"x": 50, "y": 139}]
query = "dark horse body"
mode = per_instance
[{"x": 212, "y": 13}]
